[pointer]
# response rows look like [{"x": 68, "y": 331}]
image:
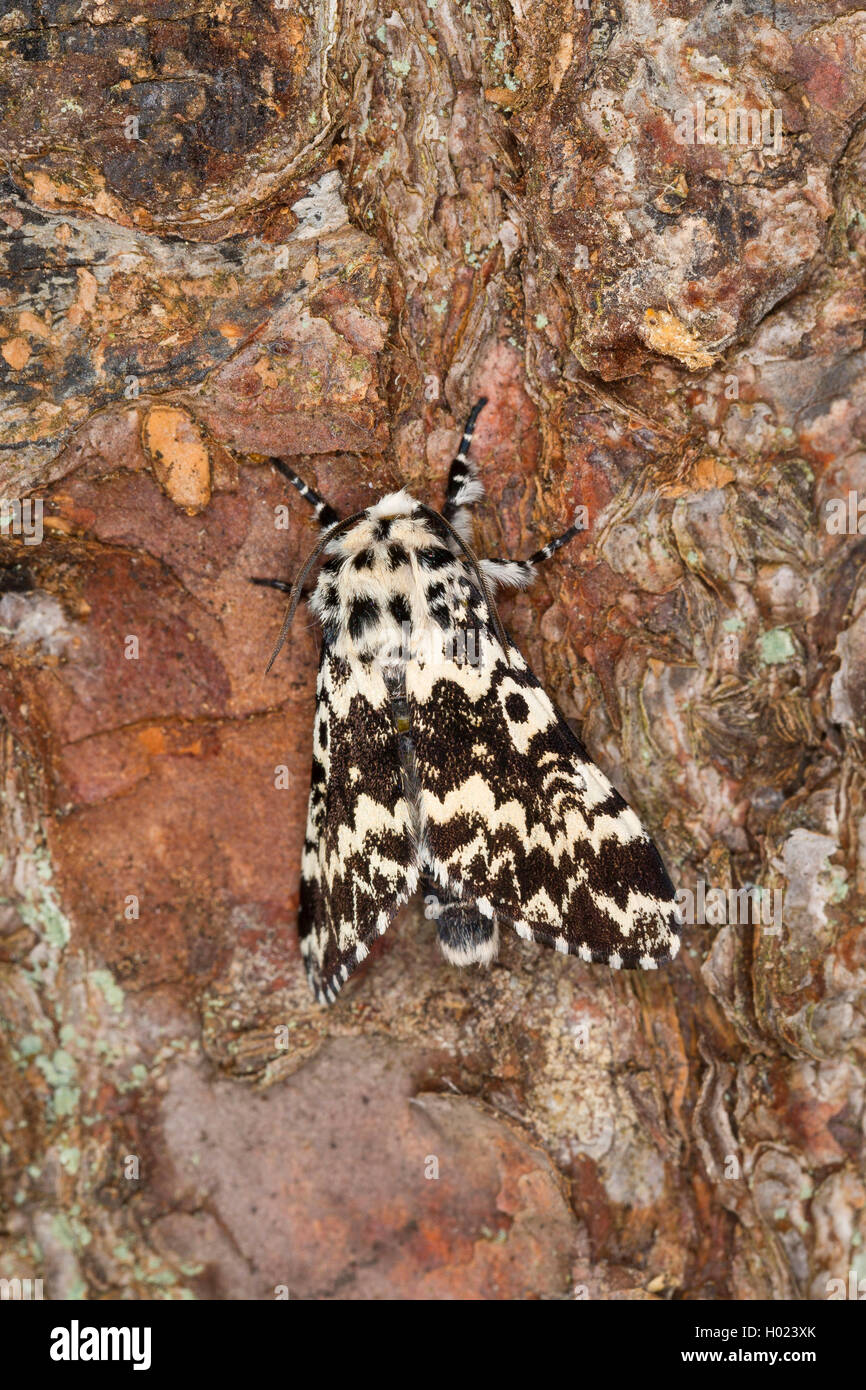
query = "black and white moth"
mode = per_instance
[{"x": 440, "y": 763}]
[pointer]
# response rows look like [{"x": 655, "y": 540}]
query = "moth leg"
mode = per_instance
[
  {"x": 281, "y": 584},
  {"x": 464, "y": 484},
  {"x": 466, "y": 935},
  {"x": 326, "y": 515},
  {"x": 511, "y": 574},
  {"x": 518, "y": 574},
  {"x": 552, "y": 546}
]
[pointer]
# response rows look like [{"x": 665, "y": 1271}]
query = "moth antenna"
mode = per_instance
[
  {"x": 479, "y": 575},
  {"x": 295, "y": 596}
]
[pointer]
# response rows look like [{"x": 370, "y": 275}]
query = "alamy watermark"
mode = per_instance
[
  {"x": 744, "y": 127},
  {"x": 22, "y": 518},
  {"x": 845, "y": 516},
  {"x": 77, "y": 1343},
  {"x": 854, "y": 1290},
  {"x": 432, "y": 647},
  {"x": 718, "y": 907},
  {"x": 21, "y": 1289}
]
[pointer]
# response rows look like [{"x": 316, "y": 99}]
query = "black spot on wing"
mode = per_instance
[
  {"x": 399, "y": 609},
  {"x": 363, "y": 560},
  {"x": 434, "y": 557},
  {"x": 363, "y": 613},
  {"x": 516, "y": 708},
  {"x": 397, "y": 555}
]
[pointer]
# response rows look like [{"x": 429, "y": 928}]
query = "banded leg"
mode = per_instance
[
  {"x": 519, "y": 574},
  {"x": 552, "y": 546},
  {"x": 464, "y": 484},
  {"x": 326, "y": 515}
]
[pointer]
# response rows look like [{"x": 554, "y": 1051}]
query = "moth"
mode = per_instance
[{"x": 440, "y": 763}]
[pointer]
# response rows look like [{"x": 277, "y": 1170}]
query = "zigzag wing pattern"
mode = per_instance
[
  {"x": 515, "y": 815},
  {"x": 359, "y": 861}
]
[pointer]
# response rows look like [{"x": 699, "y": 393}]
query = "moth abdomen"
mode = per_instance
[{"x": 466, "y": 935}]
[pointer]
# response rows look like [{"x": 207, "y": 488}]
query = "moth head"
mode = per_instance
[
  {"x": 392, "y": 505},
  {"x": 397, "y": 515},
  {"x": 367, "y": 549}
]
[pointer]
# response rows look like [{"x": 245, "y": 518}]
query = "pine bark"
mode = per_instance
[{"x": 322, "y": 232}]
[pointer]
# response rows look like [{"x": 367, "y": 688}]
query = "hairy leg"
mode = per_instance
[
  {"x": 518, "y": 574},
  {"x": 464, "y": 484}
]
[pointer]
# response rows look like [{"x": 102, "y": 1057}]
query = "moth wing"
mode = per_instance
[
  {"x": 515, "y": 814},
  {"x": 359, "y": 862}
]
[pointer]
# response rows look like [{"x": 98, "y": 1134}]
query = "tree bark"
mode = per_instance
[{"x": 322, "y": 232}]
